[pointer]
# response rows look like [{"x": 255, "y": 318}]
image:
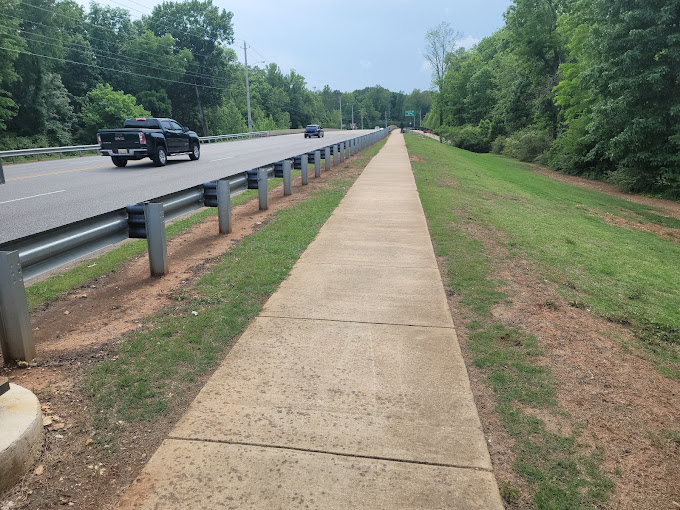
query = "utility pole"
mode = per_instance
[
  {"x": 200, "y": 109},
  {"x": 250, "y": 119},
  {"x": 385, "y": 119},
  {"x": 340, "y": 111},
  {"x": 421, "y": 118},
  {"x": 352, "y": 115},
  {"x": 362, "y": 117}
]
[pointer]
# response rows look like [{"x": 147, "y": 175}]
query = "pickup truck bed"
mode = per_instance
[{"x": 154, "y": 138}]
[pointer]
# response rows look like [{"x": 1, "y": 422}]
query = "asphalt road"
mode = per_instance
[{"x": 43, "y": 195}]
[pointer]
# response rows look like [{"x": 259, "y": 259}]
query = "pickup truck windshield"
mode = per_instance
[{"x": 142, "y": 123}]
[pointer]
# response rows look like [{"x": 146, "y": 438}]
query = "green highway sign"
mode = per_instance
[{"x": 410, "y": 113}]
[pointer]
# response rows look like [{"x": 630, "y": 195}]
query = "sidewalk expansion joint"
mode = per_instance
[
  {"x": 334, "y": 454},
  {"x": 315, "y": 263},
  {"x": 356, "y": 322}
]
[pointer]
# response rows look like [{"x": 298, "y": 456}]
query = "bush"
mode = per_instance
[
  {"x": 527, "y": 145},
  {"x": 468, "y": 137},
  {"x": 498, "y": 145},
  {"x": 632, "y": 180},
  {"x": 12, "y": 143}
]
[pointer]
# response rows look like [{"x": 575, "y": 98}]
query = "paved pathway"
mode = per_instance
[{"x": 349, "y": 390}]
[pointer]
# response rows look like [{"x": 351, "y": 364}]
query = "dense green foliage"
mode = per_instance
[
  {"x": 66, "y": 71},
  {"x": 587, "y": 86}
]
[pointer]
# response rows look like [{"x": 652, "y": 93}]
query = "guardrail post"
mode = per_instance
[
  {"x": 224, "y": 206},
  {"x": 262, "y": 188},
  {"x": 327, "y": 158},
  {"x": 342, "y": 152},
  {"x": 2, "y": 173},
  {"x": 336, "y": 149},
  {"x": 154, "y": 219},
  {"x": 304, "y": 163},
  {"x": 16, "y": 337},
  {"x": 317, "y": 164},
  {"x": 286, "y": 177}
]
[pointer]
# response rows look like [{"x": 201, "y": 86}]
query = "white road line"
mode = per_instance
[
  {"x": 220, "y": 159},
  {"x": 34, "y": 196}
]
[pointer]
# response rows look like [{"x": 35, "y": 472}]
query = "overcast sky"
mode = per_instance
[{"x": 348, "y": 44}]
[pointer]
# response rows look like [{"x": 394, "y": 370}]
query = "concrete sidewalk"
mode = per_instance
[{"x": 349, "y": 390}]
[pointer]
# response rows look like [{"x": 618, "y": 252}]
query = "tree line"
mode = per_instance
[
  {"x": 66, "y": 71},
  {"x": 588, "y": 87}
]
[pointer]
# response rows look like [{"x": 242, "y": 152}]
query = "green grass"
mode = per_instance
[
  {"x": 626, "y": 275},
  {"x": 147, "y": 373},
  {"x": 54, "y": 286},
  {"x": 51, "y": 288},
  {"x": 547, "y": 223}
]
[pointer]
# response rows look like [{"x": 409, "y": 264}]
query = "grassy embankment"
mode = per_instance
[{"x": 623, "y": 274}]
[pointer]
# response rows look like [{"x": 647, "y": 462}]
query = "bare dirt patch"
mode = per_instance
[
  {"x": 668, "y": 207},
  {"x": 672, "y": 234},
  {"x": 618, "y": 401},
  {"x": 77, "y": 468}
]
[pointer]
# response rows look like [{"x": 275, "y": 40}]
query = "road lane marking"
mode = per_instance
[
  {"x": 33, "y": 196},
  {"x": 220, "y": 159},
  {"x": 58, "y": 173}
]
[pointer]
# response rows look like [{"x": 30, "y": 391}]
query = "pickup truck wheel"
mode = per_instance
[
  {"x": 118, "y": 161},
  {"x": 161, "y": 157},
  {"x": 195, "y": 151}
]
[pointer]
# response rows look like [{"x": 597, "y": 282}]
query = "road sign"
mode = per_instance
[{"x": 410, "y": 113}]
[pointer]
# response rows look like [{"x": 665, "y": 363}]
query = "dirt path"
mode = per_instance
[{"x": 666, "y": 207}]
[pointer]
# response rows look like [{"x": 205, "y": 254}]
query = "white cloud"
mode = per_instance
[
  {"x": 365, "y": 64},
  {"x": 425, "y": 67},
  {"x": 467, "y": 43}
]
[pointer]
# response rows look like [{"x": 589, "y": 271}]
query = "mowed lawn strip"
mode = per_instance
[
  {"x": 566, "y": 232},
  {"x": 148, "y": 372}
]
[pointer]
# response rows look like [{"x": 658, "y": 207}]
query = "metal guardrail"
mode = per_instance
[
  {"x": 38, "y": 253},
  {"x": 47, "y": 150},
  {"x": 238, "y": 136}
]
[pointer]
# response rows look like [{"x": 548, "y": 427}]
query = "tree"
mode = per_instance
[
  {"x": 439, "y": 42},
  {"x": 636, "y": 121},
  {"x": 534, "y": 38},
  {"x": 203, "y": 29},
  {"x": 9, "y": 34},
  {"x": 106, "y": 108}
]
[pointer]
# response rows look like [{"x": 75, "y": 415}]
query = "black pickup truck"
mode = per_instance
[{"x": 148, "y": 138}]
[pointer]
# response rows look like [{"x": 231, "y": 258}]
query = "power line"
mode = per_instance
[
  {"x": 116, "y": 70},
  {"x": 115, "y": 56},
  {"x": 83, "y": 21}
]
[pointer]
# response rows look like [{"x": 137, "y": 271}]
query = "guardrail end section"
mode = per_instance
[
  {"x": 16, "y": 338},
  {"x": 2, "y": 173}
]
